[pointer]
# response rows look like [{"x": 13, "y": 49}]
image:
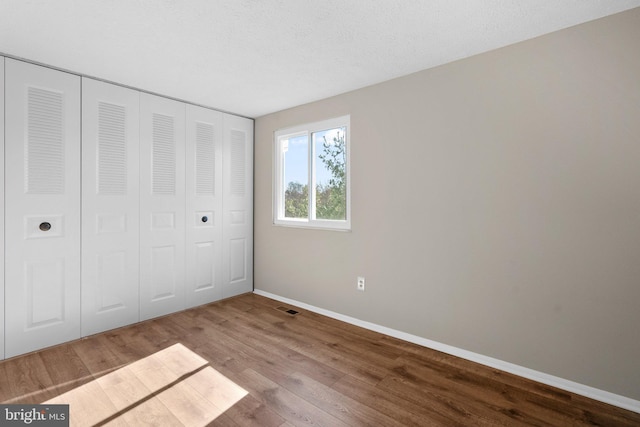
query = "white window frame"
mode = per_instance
[{"x": 279, "y": 184}]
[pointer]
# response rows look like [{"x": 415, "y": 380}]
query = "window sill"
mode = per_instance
[{"x": 313, "y": 226}]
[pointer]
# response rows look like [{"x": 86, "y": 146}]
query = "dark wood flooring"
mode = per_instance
[{"x": 311, "y": 370}]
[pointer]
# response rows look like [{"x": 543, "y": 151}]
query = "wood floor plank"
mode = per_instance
[
  {"x": 189, "y": 406},
  {"x": 88, "y": 405},
  {"x": 351, "y": 344},
  {"x": 325, "y": 351},
  {"x": 332, "y": 349},
  {"x": 288, "y": 405},
  {"x": 427, "y": 354},
  {"x": 358, "y": 367},
  {"x": 489, "y": 396},
  {"x": 223, "y": 421},
  {"x": 399, "y": 408},
  {"x": 152, "y": 413},
  {"x": 305, "y": 369},
  {"x": 123, "y": 388},
  {"x": 27, "y": 380},
  {"x": 266, "y": 352},
  {"x": 250, "y": 412},
  {"x": 219, "y": 390},
  {"x": 603, "y": 414},
  {"x": 6, "y": 394},
  {"x": 64, "y": 366},
  {"x": 331, "y": 401},
  {"x": 98, "y": 355}
]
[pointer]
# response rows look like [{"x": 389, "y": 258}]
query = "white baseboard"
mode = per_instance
[{"x": 541, "y": 377}]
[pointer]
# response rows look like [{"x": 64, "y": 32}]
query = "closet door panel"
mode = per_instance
[
  {"x": 110, "y": 206},
  {"x": 2, "y": 207},
  {"x": 162, "y": 206},
  {"x": 238, "y": 206},
  {"x": 204, "y": 206},
  {"x": 42, "y": 149}
]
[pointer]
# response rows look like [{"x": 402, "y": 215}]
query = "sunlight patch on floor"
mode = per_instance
[{"x": 171, "y": 387}]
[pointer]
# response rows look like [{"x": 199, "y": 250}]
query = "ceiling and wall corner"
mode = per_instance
[{"x": 256, "y": 57}]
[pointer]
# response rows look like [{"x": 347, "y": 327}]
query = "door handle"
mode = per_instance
[
  {"x": 45, "y": 226},
  {"x": 205, "y": 219}
]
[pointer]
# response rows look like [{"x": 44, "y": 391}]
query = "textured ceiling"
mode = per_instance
[{"x": 253, "y": 57}]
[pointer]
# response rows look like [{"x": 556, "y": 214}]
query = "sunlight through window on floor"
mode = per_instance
[{"x": 174, "y": 386}]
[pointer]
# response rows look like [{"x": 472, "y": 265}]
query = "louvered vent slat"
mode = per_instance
[
  {"x": 112, "y": 153},
  {"x": 205, "y": 159},
  {"x": 238, "y": 152},
  {"x": 44, "y": 168},
  {"x": 164, "y": 155}
]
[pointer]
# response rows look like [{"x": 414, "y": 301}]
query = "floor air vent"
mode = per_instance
[{"x": 288, "y": 310}]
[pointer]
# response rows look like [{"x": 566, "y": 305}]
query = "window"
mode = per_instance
[{"x": 312, "y": 175}]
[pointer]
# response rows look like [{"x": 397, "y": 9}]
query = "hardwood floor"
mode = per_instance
[{"x": 305, "y": 369}]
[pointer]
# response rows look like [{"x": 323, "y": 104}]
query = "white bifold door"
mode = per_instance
[
  {"x": 42, "y": 207},
  {"x": 238, "y": 206},
  {"x": 2, "y": 207},
  {"x": 162, "y": 206},
  {"x": 204, "y": 206},
  {"x": 110, "y": 206}
]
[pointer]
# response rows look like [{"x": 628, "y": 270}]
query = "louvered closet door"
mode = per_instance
[
  {"x": 238, "y": 206},
  {"x": 42, "y": 222},
  {"x": 110, "y": 206},
  {"x": 204, "y": 206},
  {"x": 162, "y": 206},
  {"x": 2, "y": 207}
]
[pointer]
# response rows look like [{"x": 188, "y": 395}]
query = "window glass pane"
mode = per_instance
[
  {"x": 296, "y": 176},
  {"x": 330, "y": 171},
  {"x": 311, "y": 187}
]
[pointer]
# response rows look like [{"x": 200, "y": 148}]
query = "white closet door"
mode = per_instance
[
  {"x": 110, "y": 206},
  {"x": 162, "y": 206},
  {"x": 42, "y": 222},
  {"x": 238, "y": 206},
  {"x": 204, "y": 206},
  {"x": 2, "y": 208}
]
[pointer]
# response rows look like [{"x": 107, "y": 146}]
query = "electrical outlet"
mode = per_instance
[{"x": 361, "y": 283}]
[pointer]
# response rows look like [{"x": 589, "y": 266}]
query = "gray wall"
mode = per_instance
[{"x": 495, "y": 203}]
